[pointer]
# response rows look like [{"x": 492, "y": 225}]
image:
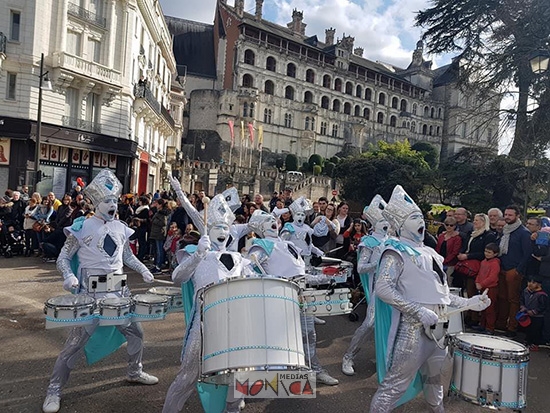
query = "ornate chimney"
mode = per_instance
[
  {"x": 259, "y": 5},
  {"x": 358, "y": 51},
  {"x": 239, "y": 7},
  {"x": 297, "y": 26},
  {"x": 329, "y": 36}
]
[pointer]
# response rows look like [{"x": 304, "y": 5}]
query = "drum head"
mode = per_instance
[
  {"x": 115, "y": 301},
  {"x": 497, "y": 344},
  {"x": 70, "y": 300},
  {"x": 150, "y": 299},
  {"x": 172, "y": 291}
]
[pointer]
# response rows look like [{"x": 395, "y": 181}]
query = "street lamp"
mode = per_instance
[
  {"x": 43, "y": 83},
  {"x": 539, "y": 61},
  {"x": 529, "y": 163}
]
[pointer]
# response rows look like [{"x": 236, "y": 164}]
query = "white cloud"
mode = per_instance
[{"x": 383, "y": 28}]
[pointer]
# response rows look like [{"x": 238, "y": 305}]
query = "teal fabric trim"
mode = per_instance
[
  {"x": 399, "y": 246},
  {"x": 190, "y": 249},
  {"x": 382, "y": 324},
  {"x": 370, "y": 241},
  {"x": 212, "y": 396},
  {"x": 266, "y": 244},
  {"x": 364, "y": 277},
  {"x": 289, "y": 227},
  {"x": 104, "y": 341},
  {"x": 78, "y": 223}
]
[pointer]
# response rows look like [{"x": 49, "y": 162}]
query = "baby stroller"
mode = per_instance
[{"x": 12, "y": 240}]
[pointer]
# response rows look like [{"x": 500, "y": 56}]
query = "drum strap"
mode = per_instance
[
  {"x": 439, "y": 271},
  {"x": 227, "y": 260}
]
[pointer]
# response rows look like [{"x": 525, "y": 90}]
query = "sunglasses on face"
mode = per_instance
[{"x": 450, "y": 225}]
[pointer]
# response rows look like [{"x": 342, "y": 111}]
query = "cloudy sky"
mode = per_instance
[{"x": 384, "y": 28}]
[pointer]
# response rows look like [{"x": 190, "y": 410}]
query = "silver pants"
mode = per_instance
[
  {"x": 78, "y": 337},
  {"x": 412, "y": 351},
  {"x": 184, "y": 384},
  {"x": 362, "y": 334},
  {"x": 309, "y": 337}
]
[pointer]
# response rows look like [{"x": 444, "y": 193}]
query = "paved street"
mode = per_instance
[{"x": 29, "y": 351}]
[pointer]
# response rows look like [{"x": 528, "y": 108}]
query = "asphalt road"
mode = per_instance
[{"x": 28, "y": 352}]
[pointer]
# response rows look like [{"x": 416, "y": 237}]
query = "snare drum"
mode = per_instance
[
  {"x": 172, "y": 294},
  {"x": 149, "y": 307},
  {"x": 490, "y": 371},
  {"x": 250, "y": 324},
  {"x": 115, "y": 311},
  {"x": 69, "y": 310},
  {"x": 322, "y": 303}
]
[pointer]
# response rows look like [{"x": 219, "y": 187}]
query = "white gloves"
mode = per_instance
[
  {"x": 204, "y": 245},
  {"x": 427, "y": 317},
  {"x": 175, "y": 183},
  {"x": 478, "y": 302},
  {"x": 148, "y": 277},
  {"x": 70, "y": 283}
]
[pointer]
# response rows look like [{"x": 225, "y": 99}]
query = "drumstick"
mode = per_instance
[
  {"x": 257, "y": 263},
  {"x": 205, "y": 202},
  {"x": 164, "y": 281}
]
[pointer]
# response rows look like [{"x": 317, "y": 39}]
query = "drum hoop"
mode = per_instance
[
  {"x": 72, "y": 307},
  {"x": 247, "y": 296},
  {"x": 158, "y": 299},
  {"x": 85, "y": 297},
  {"x": 495, "y": 352},
  {"x": 169, "y": 291},
  {"x": 254, "y": 347},
  {"x": 522, "y": 361},
  {"x": 243, "y": 277}
]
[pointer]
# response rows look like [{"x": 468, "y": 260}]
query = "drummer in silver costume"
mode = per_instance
[
  {"x": 282, "y": 259},
  {"x": 210, "y": 263},
  {"x": 412, "y": 281},
  {"x": 369, "y": 252},
  {"x": 101, "y": 245}
]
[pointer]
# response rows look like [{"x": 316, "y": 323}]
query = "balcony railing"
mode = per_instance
[
  {"x": 81, "y": 124},
  {"x": 87, "y": 68},
  {"x": 87, "y": 15},
  {"x": 3, "y": 41},
  {"x": 142, "y": 91}
]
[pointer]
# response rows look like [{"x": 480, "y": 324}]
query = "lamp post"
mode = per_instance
[
  {"x": 539, "y": 61},
  {"x": 43, "y": 82},
  {"x": 529, "y": 163}
]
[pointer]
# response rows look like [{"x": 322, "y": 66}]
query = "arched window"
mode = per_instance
[
  {"x": 439, "y": 113},
  {"x": 394, "y": 102},
  {"x": 338, "y": 85},
  {"x": 326, "y": 81},
  {"x": 403, "y": 107},
  {"x": 291, "y": 70},
  {"x": 267, "y": 115},
  {"x": 248, "y": 81},
  {"x": 382, "y": 99},
  {"x": 366, "y": 113},
  {"x": 438, "y": 131},
  {"x": 289, "y": 92},
  {"x": 249, "y": 57},
  {"x": 424, "y": 129},
  {"x": 252, "y": 109},
  {"x": 404, "y": 124},
  {"x": 426, "y": 111},
  {"x": 357, "y": 111},
  {"x": 347, "y": 108},
  {"x": 271, "y": 64},
  {"x": 308, "y": 97},
  {"x": 269, "y": 87},
  {"x": 324, "y": 102},
  {"x": 380, "y": 117},
  {"x": 432, "y": 113},
  {"x": 431, "y": 132},
  {"x": 368, "y": 94},
  {"x": 323, "y": 130},
  {"x": 310, "y": 76},
  {"x": 413, "y": 127},
  {"x": 288, "y": 120},
  {"x": 312, "y": 123},
  {"x": 336, "y": 105},
  {"x": 306, "y": 126},
  {"x": 334, "y": 133},
  {"x": 349, "y": 88},
  {"x": 245, "y": 109},
  {"x": 359, "y": 91},
  {"x": 414, "y": 108},
  {"x": 393, "y": 121}
]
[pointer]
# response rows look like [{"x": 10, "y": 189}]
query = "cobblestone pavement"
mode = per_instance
[{"x": 29, "y": 351}]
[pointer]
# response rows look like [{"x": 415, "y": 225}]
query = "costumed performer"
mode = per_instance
[
  {"x": 281, "y": 258},
  {"x": 411, "y": 280},
  {"x": 369, "y": 252},
  {"x": 100, "y": 244},
  {"x": 206, "y": 264}
]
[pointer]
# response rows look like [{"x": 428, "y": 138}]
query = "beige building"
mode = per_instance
[{"x": 307, "y": 95}]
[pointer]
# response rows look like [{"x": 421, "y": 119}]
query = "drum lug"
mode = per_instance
[{"x": 489, "y": 397}]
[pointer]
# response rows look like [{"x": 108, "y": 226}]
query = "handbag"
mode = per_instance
[
  {"x": 469, "y": 268},
  {"x": 37, "y": 227}
]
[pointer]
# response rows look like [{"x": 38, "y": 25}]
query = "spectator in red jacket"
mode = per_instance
[
  {"x": 449, "y": 244},
  {"x": 487, "y": 279}
]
